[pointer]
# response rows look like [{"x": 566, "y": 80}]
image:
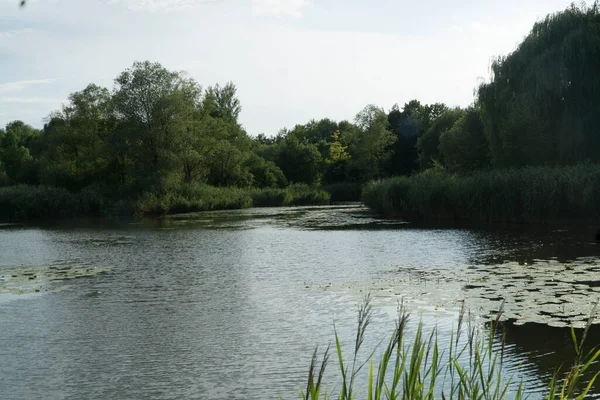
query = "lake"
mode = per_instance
[{"x": 231, "y": 304}]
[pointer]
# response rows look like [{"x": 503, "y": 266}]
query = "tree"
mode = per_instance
[
  {"x": 156, "y": 109},
  {"x": 74, "y": 137},
  {"x": 370, "y": 146},
  {"x": 464, "y": 146},
  {"x": 221, "y": 102},
  {"x": 12, "y": 156},
  {"x": 408, "y": 125},
  {"x": 337, "y": 160},
  {"x": 553, "y": 77},
  {"x": 300, "y": 162},
  {"x": 428, "y": 144},
  {"x": 265, "y": 173}
]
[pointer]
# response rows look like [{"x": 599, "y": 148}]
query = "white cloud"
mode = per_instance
[
  {"x": 17, "y": 86},
  {"x": 27, "y": 100},
  {"x": 294, "y": 8},
  {"x": 11, "y": 33},
  {"x": 157, "y": 5}
]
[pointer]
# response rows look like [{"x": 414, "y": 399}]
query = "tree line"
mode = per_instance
[{"x": 159, "y": 130}]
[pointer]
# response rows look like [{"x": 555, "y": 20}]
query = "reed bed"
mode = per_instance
[
  {"x": 469, "y": 368},
  {"x": 533, "y": 194}
]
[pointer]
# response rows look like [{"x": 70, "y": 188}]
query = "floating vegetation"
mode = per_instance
[
  {"x": 43, "y": 279},
  {"x": 545, "y": 292},
  {"x": 107, "y": 241}
]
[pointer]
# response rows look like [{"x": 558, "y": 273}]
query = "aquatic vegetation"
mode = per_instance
[
  {"x": 532, "y": 194},
  {"x": 193, "y": 198},
  {"x": 38, "y": 279},
  {"x": 544, "y": 292},
  {"x": 27, "y": 202},
  {"x": 470, "y": 368}
]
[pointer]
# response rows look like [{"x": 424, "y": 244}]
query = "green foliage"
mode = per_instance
[
  {"x": 301, "y": 163},
  {"x": 202, "y": 197},
  {"x": 157, "y": 131},
  {"x": 222, "y": 102},
  {"x": 337, "y": 160},
  {"x": 370, "y": 146},
  {"x": 464, "y": 146},
  {"x": 428, "y": 366},
  {"x": 271, "y": 197},
  {"x": 408, "y": 126},
  {"x": 344, "y": 191},
  {"x": 302, "y": 194},
  {"x": 428, "y": 144},
  {"x": 418, "y": 368},
  {"x": 265, "y": 173},
  {"x": 541, "y": 104},
  {"x": 24, "y": 202},
  {"x": 13, "y": 156},
  {"x": 192, "y": 198},
  {"x": 533, "y": 194}
]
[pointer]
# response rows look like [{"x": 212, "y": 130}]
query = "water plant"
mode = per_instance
[
  {"x": 531, "y": 194},
  {"x": 421, "y": 368}
]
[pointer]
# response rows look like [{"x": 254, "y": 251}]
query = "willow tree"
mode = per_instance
[{"x": 543, "y": 101}]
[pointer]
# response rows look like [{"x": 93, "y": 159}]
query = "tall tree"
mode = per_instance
[
  {"x": 464, "y": 146},
  {"x": 156, "y": 108},
  {"x": 370, "y": 146},
  {"x": 546, "y": 94}
]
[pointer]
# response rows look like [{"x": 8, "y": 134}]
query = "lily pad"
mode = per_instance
[{"x": 42, "y": 279}]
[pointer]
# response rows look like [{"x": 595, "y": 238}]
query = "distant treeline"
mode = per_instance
[{"x": 159, "y": 135}]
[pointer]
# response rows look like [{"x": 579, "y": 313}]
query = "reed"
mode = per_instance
[
  {"x": 532, "y": 194},
  {"x": 418, "y": 368}
]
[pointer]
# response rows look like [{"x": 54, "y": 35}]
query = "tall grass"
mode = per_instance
[
  {"x": 25, "y": 202},
  {"x": 199, "y": 197},
  {"x": 419, "y": 369},
  {"x": 532, "y": 194},
  {"x": 192, "y": 198}
]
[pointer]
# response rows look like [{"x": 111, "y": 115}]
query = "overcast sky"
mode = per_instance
[{"x": 291, "y": 60}]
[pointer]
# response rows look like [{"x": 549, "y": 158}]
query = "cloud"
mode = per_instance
[
  {"x": 294, "y": 8},
  {"x": 159, "y": 5},
  {"x": 17, "y": 86},
  {"x": 11, "y": 33},
  {"x": 27, "y": 100}
]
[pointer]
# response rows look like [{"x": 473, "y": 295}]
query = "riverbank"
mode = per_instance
[
  {"x": 525, "y": 195},
  {"x": 26, "y": 202}
]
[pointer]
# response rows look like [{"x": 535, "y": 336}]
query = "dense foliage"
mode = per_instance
[
  {"x": 540, "y": 113},
  {"x": 157, "y": 142},
  {"x": 159, "y": 135}
]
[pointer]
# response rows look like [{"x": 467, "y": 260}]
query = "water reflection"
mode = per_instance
[
  {"x": 544, "y": 349},
  {"x": 216, "y": 305}
]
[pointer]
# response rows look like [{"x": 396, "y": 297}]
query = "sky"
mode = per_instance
[{"x": 291, "y": 60}]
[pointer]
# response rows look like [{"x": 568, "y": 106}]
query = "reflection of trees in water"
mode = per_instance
[
  {"x": 492, "y": 244},
  {"x": 526, "y": 244},
  {"x": 544, "y": 349}
]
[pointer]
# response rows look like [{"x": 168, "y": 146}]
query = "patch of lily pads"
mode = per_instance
[
  {"x": 43, "y": 279},
  {"x": 545, "y": 292}
]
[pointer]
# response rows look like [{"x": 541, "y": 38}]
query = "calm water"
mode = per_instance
[{"x": 229, "y": 305}]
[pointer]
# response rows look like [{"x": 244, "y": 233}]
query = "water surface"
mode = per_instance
[{"x": 229, "y": 305}]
